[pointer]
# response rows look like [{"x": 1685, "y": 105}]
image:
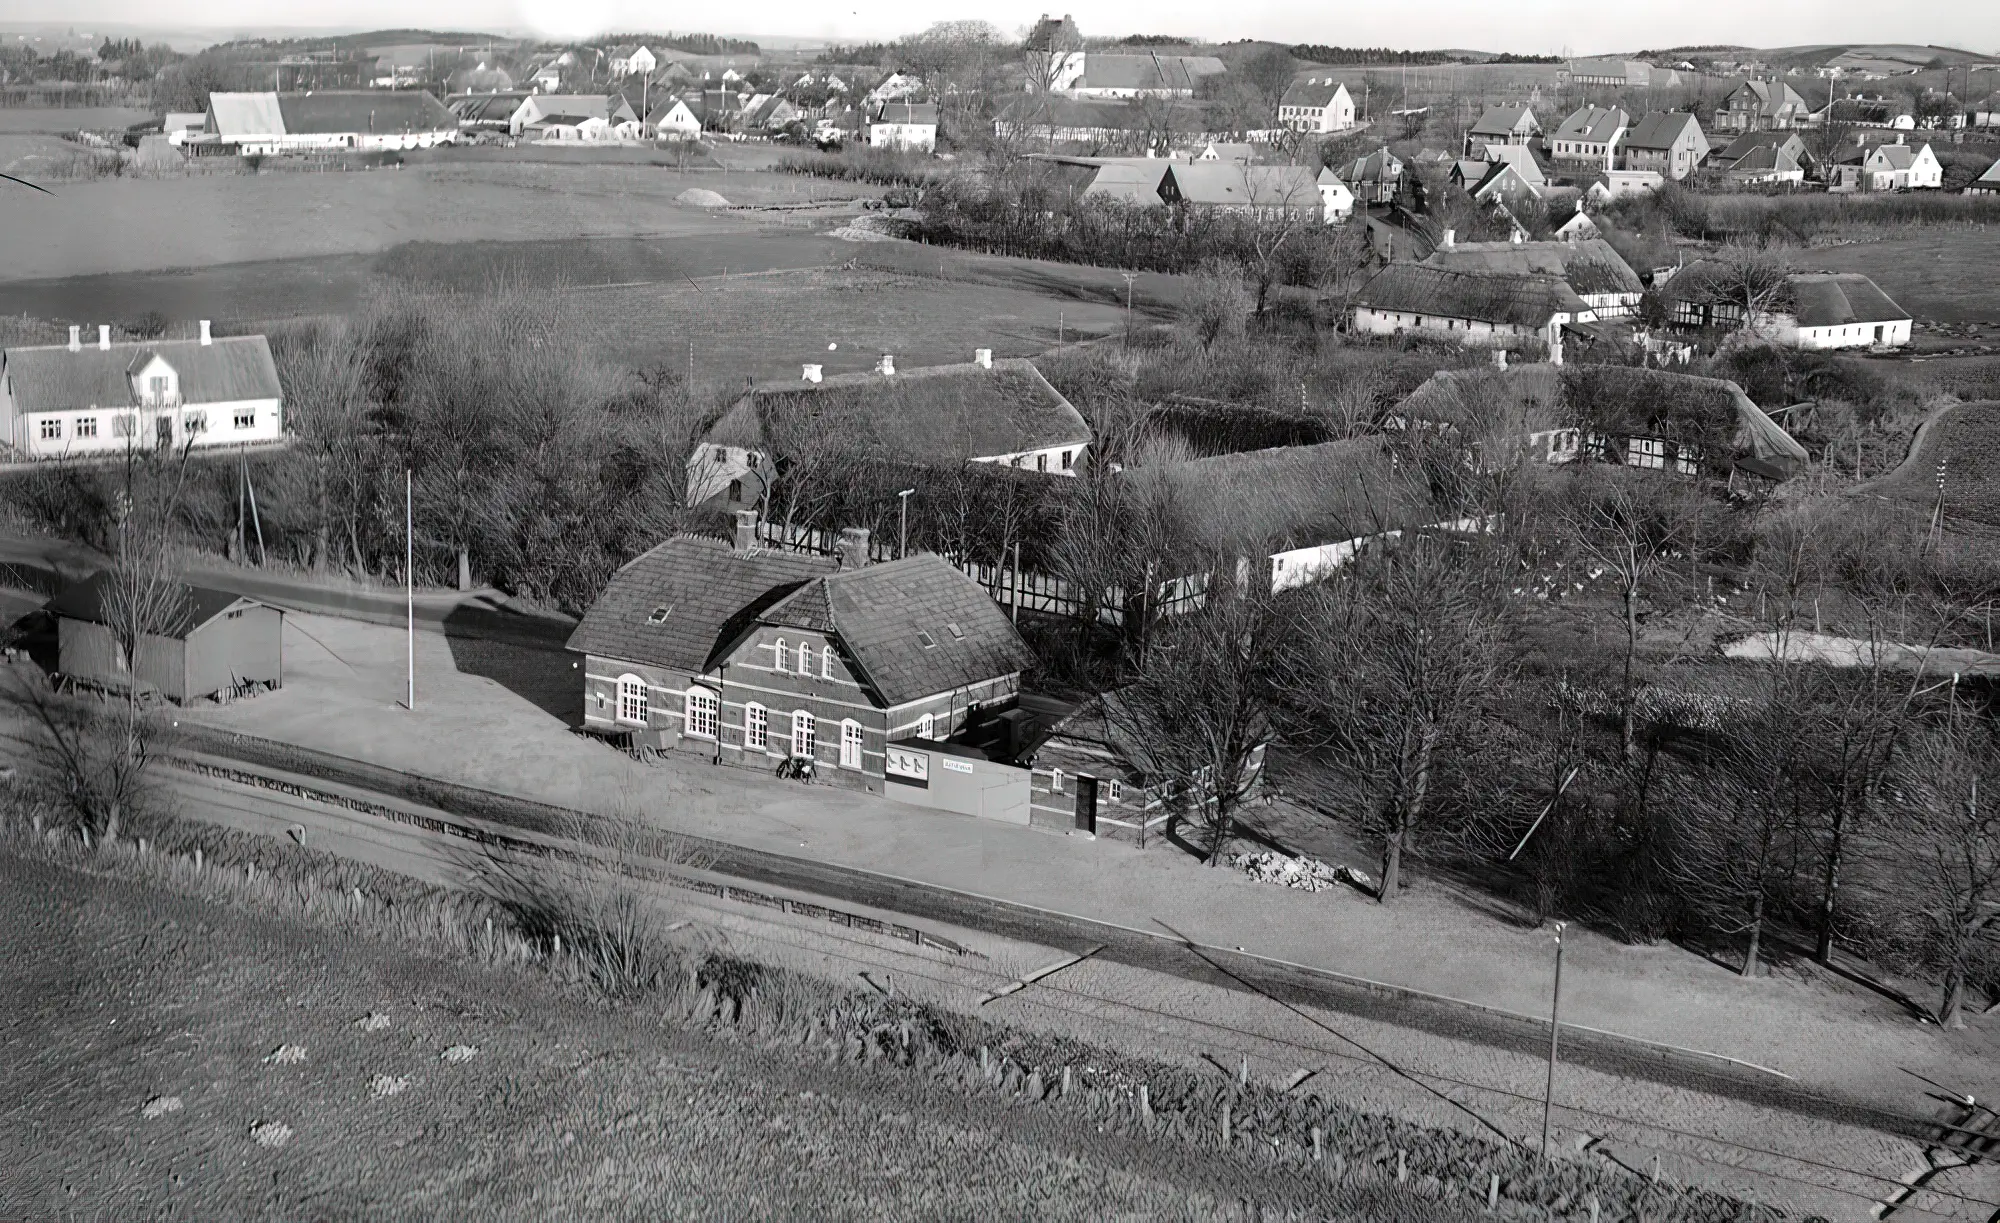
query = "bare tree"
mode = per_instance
[
  {"x": 1217, "y": 302},
  {"x": 1196, "y": 714},
  {"x": 1746, "y": 284},
  {"x": 1388, "y": 661}
]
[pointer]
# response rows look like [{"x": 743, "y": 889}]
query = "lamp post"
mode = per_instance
[
  {"x": 903, "y": 525},
  {"x": 1555, "y": 1033}
]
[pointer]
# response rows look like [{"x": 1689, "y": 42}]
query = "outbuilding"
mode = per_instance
[{"x": 209, "y": 643}]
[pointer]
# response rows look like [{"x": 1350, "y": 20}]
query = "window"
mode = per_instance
[
  {"x": 86, "y": 426},
  {"x": 244, "y": 418},
  {"x": 157, "y": 388},
  {"x": 957, "y": 633},
  {"x": 1645, "y": 452},
  {"x": 784, "y": 657},
  {"x": 1069, "y": 460},
  {"x": 850, "y": 744},
  {"x": 721, "y": 455},
  {"x": 195, "y": 422},
  {"x": 659, "y": 615},
  {"x": 1113, "y": 790},
  {"x": 927, "y": 726},
  {"x": 124, "y": 424},
  {"x": 925, "y": 640},
  {"x": 632, "y": 699},
  {"x": 826, "y": 662},
  {"x": 1687, "y": 460},
  {"x": 1041, "y": 462},
  {"x": 756, "y": 727},
  {"x": 1055, "y": 781},
  {"x": 803, "y": 743},
  {"x": 805, "y": 658},
  {"x": 701, "y": 714},
  {"x": 51, "y": 428}
]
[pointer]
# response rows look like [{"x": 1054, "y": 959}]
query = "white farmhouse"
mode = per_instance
[
  {"x": 77, "y": 400},
  {"x": 910, "y": 126},
  {"x": 322, "y": 120},
  {"x": 1814, "y": 309},
  {"x": 1317, "y": 104}
]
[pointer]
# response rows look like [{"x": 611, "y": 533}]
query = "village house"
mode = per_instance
[
  {"x": 1757, "y": 106},
  {"x": 1239, "y": 152},
  {"x": 768, "y": 112},
  {"x": 1669, "y": 143},
  {"x": 1788, "y": 142},
  {"x": 570, "y": 116},
  {"x": 1100, "y": 75},
  {"x": 1579, "y": 226},
  {"x": 1589, "y": 137},
  {"x": 674, "y": 120},
  {"x": 1633, "y": 417},
  {"x": 984, "y": 411},
  {"x": 909, "y": 126},
  {"x": 1374, "y": 179},
  {"x": 1612, "y": 185},
  {"x": 1589, "y": 266},
  {"x": 204, "y": 644},
  {"x": 1504, "y": 182},
  {"x": 264, "y": 124},
  {"x": 1899, "y": 167},
  {"x": 896, "y": 87},
  {"x": 1813, "y": 310},
  {"x": 1987, "y": 183},
  {"x": 754, "y": 657},
  {"x": 1477, "y": 308},
  {"x": 1503, "y": 125},
  {"x": 1336, "y": 199},
  {"x": 629, "y": 60},
  {"x": 78, "y": 400},
  {"x": 1316, "y": 104}
]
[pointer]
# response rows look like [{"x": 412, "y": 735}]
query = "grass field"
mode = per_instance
[
  {"x": 1932, "y": 273},
  {"x": 1967, "y": 441},
  {"x": 119, "y": 997},
  {"x": 70, "y": 119}
]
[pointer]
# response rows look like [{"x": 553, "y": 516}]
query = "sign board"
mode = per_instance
[
  {"x": 908, "y": 767},
  {"x": 957, "y": 766}
]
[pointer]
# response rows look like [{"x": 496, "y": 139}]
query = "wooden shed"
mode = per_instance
[{"x": 213, "y": 642}]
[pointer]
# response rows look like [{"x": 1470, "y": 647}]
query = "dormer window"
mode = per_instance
[
  {"x": 659, "y": 615},
  {"x": 925, "y": 640},
  {"x": 156, "y": 389}
]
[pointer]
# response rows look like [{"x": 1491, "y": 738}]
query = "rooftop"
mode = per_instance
[
  {"x": 1527, "y": 301},
  {"x": 189, "y": 609},
  {"x": 1588, "y": 265},
  {"x": 1295, "y": 496},
  {"x": 49, "y": 377},
  {"x": 1660, "y": 130}
]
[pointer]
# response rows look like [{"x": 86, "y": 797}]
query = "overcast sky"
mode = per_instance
[{"x": 1541, "y": 26}]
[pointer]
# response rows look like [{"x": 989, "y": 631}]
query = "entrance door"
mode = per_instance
[
  {"x": 1878, "y": 333},
  {"x": 163, "y": 427}
]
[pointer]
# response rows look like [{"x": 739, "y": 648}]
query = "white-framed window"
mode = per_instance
[
  {"x": 52, "y": 428},
  {"x": 125, "y": 424},
  {"x": 927, "y": 726},
  {"x": 805, "y": 658},
  {"x": 702, "y": 713},
  {"x": 803, "y": 741},
  {"x": 850, "y": 744},
  {"x": 756, "y": 727},
  {"x": 86, "y": 426},
  {"x": 784, "y": 662},
  {"x": 826, "y": 662},
  {"x": 1687, "y": 460},
  {"x": 156, "y": 388},
  {"x": 1645, "y": 452},
  {"x": 195, "y": 422},
  {"x": 1055, "y": 781},
  {"x": 244, "y": 418},
  {"x": 1114, "y": 789},
  {"x": 632, "y": 699}
]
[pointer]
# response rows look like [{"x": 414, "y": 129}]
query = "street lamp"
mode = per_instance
[{"x": 903, "y": 531}]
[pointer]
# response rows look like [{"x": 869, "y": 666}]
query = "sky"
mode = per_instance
[{"x": 1529, "y": 26}]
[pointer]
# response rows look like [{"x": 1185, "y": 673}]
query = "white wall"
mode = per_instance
[
  {"x": 916, "y": 137},
  {"x": 266, "y": 416},
  {"x": 1052, "y": 457}
]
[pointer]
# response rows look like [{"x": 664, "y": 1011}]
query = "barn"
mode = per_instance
[{"x": 212, "y": 643}]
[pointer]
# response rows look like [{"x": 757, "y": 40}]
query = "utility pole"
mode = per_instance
[
  {"x": 1555, "y": 1034},
  {"x": 410, "y": 582},
  {"x": 903, "y": 530}
]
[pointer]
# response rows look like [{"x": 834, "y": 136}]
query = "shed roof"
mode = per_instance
[
  {"x": 1527, "y": 301},
  {"x": 914, "y": 626},
  {"x": 1126, "y": 182},
  {"x": 235, "y": 115},
  {"x": 940, "y": 414},
  {"x": 709, "y": 592},
  {"x": 51, "y": 378},
  {"x": 189, "y": 608},
  {"x": 1660, "y": 130}
]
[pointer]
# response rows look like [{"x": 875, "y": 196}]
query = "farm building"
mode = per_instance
[
  {"x": 208, "y": 642},
  {"x": 364, "y": 120},
  {"x": 1093, "y": 74},
  {"x": 910, "y": 126},
  {"x": 984, "y": 411},
  {"x": 1503, "y": 125},
  {"x": 1618, "y": 73},
  {"x": 1987, "y": 183},
  {"x": 1813, "y": 310},
  {"x": 1478, "y": 308},
  {"x": 486, "y": 112},
  {"x": 178, "y": 126},
  {"x": 1669, "y": 143},
  {"x": 1316, "y": 104},
  {"x": 1600, "y": 276},
  {"x": 1086, "y": 778},
  {"x": 569, "y": 116},
  {"x": 1617, "y": 414},
  {"x": 77, "y": 400},
  {"x": 752, "y": 656}
]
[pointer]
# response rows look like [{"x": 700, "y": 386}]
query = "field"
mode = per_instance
[
  {"x": 1966, "y": 440},
  {"x": 566, "y": 1107},
  {"x": 70, "y": 119},
  {"x": 1929, "y": 271}
]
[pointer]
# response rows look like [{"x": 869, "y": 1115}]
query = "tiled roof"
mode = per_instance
[
  {"x": 1132, "y": 184},
  {"x": 1592, "y": 125},
  {"x": 885, "y": 614},
  {"x": 364, "y": 110},
  {"x": 1147, "y": 71},
  {"x": 1766, "y": 158},
  {"x": 1659, "y": 130},
  {"x": 1503, "y": 121},
  {"x": 49, "y": 378},
  {"x": 1503, "y": 178},
  {"x": 1527, "y": 301},
  {"x": 1750, "y": 142},
  {"x": 908, "y": 112},
  {"x": 1316, "y": 92},
  {"x": 709, "y": 592},
  {"x": 1588, "y": 265},
  {"x": 1992, "y": 174},
  {"x": 1294, "y": 496},
  {"x": 1769, "y": 97},
  {"x": 191, "y": 608},
  {"x": 611, "y": 107},
  {"x": 940, "y": 414},
  {"x": 1228, "y": 182}
]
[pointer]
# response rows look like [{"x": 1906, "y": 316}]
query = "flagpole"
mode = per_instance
[{"x": 410, "y": 583}]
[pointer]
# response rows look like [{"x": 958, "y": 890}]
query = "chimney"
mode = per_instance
[
  {"x": 983, "y": 358},
  {"x": 75, "y": 338},
  {"x": 104, "y": 337},
  {"x": 746, "y": 530},
  {"x": 204, "y": 332},
  {"x": 811, "y": 373},
  {"x": 887, "y": 365},
  {"x": 852, "y": 548},
  {"x": 1450, "y": 238}
]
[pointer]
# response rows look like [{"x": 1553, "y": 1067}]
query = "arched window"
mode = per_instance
[
  {"x": 756, "y": 727},
  {"x": 826, "y": 662},
  {"x": 803, "y": 742},
  {"x": 703, "y": 711},
  {"x": 632, "y": 699},
  {"x": 1055, "y": 781},
  {"x": 850, "y": 744},
  {"x": 805, "y": 658},
  {"x": 784, "y": 656}
]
